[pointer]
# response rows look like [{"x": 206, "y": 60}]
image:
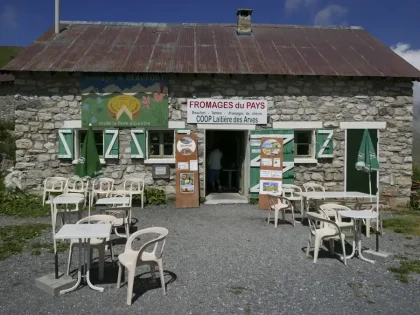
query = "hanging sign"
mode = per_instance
[
  {"x": 271, "y": 169},
  {"x": 226, "y": 111},
  {"x": 186, "y": 146},
  {"x": 125, "y": 101}
]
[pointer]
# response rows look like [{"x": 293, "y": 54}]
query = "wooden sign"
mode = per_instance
[
  {"x": 187, "y": 184},
  {"x": 271, "y": 169}
]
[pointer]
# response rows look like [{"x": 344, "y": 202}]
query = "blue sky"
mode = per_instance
[{"x": 391, "y": 21}]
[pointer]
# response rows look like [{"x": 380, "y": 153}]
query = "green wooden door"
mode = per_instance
[{"x": 288, "y": 157}]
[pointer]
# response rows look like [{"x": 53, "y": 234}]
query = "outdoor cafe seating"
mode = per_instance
[{"x": 74, "y": 192}]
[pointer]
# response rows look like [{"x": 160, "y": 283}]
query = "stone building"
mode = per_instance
[
  {"x": 7, "y": 106},
  {"x": 322, "y": 87}
]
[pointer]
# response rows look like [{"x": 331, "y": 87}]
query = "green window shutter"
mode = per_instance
[
  {"x": 138, "y": 144},
  {"x": 65, "y": 143},
  {"x": 183, "y": 131},
  {"x": 324, "y": 143},
  {"x": 288, "y": 157},
  {"x": 111, "y": 144}
]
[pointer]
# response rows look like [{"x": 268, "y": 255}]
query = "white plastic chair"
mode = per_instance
[
  {"x": 131, "y": 187},
  {"x": 289, "y": 190},
  {"x": 332, "y": 210},
  {"x": 324, "y": 229},
  {"x": 313, "y": 187},
  {"x": 277, "y": 203},
  {"x": 53, "y": 185},
  {"x": 77, "y": 185},
  {"x": 122, "y": 216},
  {"x": 131, "y": 258},
  {"x": 99, "y": 244},
  {"x": 101, "y": 186}
]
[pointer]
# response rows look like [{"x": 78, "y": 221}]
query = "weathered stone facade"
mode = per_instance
[
  {"x": 45, "y": 102},
  {"x": 7, "y": 102}
]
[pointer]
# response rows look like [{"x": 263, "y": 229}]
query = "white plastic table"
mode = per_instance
[
  {"x": 358, "y": 217},
  {"x": 84, "y": 232},
  {"x": 110, "y": 201},
  {"x": 331, "y": 195},
  {"x": 66, "y": 199}
]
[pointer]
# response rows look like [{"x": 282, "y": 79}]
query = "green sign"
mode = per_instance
[{"x": 125, "y": 101}]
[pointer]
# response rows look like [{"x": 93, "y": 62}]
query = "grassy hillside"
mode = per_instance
[{"x": 7, "y": 53}]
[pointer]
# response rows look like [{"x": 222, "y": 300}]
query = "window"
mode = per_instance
[
  {"x": 304, "y": 143},
  {"x": 161, "y": 143},
  {"x": 99, "y": 141}
]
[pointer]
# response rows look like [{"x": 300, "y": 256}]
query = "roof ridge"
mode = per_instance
[{"x": 158, "y": 24}]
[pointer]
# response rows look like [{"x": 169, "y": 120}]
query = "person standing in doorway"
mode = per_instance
[{"x": 215, "y": 165}]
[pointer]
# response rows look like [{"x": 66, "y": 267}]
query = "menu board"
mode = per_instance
[
  {"x": 271, "y": 169},
  {"x": 187, "y": 189}
]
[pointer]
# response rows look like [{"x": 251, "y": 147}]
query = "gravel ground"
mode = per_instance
[{"x": 224, "y": 260}]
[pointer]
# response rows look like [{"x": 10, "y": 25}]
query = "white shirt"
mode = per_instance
[{"x": 215, "y": 159}]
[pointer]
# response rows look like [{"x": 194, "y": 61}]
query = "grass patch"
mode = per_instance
[
  {"x": 14, "y": 238},
  {"x": 253, "y": 201},
  {"x": 238, "y": 289},
  {"x": 406, "y": 267},
  {"x": 401, "y": 257},
  {"x": 7, "y": 53},
  {"x": 404, "y": 223},
  {"x": 357, "y": 288},
  {"x": 61, "y": 246},
  {"x": 36, "y": 252},
  {"x": 20, "y": 204},
  {"x": 247, "y": 310}
]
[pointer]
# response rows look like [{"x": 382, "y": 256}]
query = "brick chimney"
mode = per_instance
[{"x": 244, "y": 22}]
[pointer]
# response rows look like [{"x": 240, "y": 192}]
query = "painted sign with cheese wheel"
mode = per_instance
[{"x": 125, "y": 101}]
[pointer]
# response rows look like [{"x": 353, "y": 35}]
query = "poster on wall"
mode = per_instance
[
  {"x": 186, "y": 183},
  {"x": 186, "y": 146},
  {"x": 271, "y": 169},
  {"x": 125, "y": 101},
  {"x": 226, "y": 111},
  {"x": 270, "y": 187}
]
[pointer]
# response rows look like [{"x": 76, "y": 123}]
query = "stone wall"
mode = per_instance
[
  {"x": 7, "y": 102},
  {"x": 44, "y": 102}
]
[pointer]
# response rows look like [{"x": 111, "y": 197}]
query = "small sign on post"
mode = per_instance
[
  {"x": 271, "y": 169},
  {"x": 187, "y": 188}
]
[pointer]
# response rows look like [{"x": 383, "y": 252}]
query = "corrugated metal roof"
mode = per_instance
[{"x": 213, "y": 48}]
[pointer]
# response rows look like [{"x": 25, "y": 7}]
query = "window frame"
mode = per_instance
[
  {"x": 312, "y": 145},
  {"x": 297, "y": 126},
  {"x": 78, "y": 142},
  {"x": 161, "y": 144}
]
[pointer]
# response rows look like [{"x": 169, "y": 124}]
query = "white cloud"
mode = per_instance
[
  {"x": 331, "y": 14},
  {"x": 413, "y": 57},
  {"x": 9, "y": 17},
  {"x": 290, "y": 5}
]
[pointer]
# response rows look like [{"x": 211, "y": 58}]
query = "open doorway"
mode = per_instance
[
  {"x": 358, "y": 180},
  {"x": 232, "y": 144}
]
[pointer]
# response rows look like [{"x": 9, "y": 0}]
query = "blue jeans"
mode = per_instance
[{"x": 214, "y": 176}]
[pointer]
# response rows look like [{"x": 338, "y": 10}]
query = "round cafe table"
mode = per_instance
[{"x": 358, "y": 217}]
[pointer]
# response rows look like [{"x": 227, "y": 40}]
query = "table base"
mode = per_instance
[
  {"x": 357, "y": 250},
  {"x": 84, "y": 250}
]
